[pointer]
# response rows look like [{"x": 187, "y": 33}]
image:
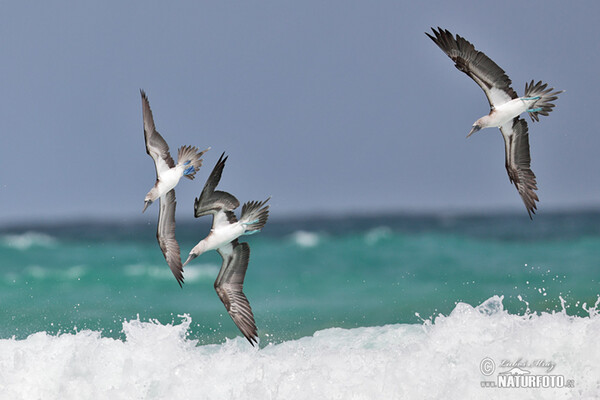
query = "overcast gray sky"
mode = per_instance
[{"x": 326, "y": 106}]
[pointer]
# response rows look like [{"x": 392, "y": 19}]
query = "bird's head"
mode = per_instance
[
  {"x": 150, "y": 198},
  {"x": 476, "y": 128},
  {"x": 190, "y": 257},
  {"x": 483, "y": 122},
  {"x": 196, "y": 251},
  {"x": 147, "y": 202}
]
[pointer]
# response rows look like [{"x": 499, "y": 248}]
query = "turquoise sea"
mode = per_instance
[{"x": 393, "y": 302}]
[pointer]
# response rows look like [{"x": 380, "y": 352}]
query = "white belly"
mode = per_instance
[
  {"x": 508, "y": 111},
  {"x": 223, "y": 235},
  {"x": 168, "y": 180}
]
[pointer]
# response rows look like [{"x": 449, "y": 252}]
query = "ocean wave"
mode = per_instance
[
  {"x": 27, "y": 240},
  {"x": 376, "y": 234},
  {"x": 41, "y": 273},
  {"x": 305, "y": 239},
  {"x": 192, "y": 273},
  {"x": 445, "y": 357}
]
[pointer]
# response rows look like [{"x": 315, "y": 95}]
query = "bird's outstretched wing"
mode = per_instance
[
  {"x": 486, "y": 73},
  {"x": 229, "y": 286},
  {"x": 211, "y": 201},
  {"x": 518, "y": 160},
  {"x": 165, "y": 233},
  {"x": 156, "y": 146}
]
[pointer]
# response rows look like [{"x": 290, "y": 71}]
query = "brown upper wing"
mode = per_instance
[
  {"x": 518, "y": 160},
  {"x": 229, "y": 286},
  {"x": 485, "y": 72},
  {"x": 165, "y": 233},
  {"x": 156, "y": 146}
]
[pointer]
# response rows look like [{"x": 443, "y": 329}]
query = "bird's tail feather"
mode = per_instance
[
  {"x": 255, "y": 215},
  {"x": 191, "y": 159},
  {"x": 543, "y": 105}
]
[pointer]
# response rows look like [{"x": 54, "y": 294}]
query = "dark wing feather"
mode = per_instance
[
  {"x": 165, "y": 233},
  {"x": 518, "y": 160},
  {"x": 485, "y": 72},
  {"x": 156, "y": 146},
  {"x": 229, "y": 287},
  {"x": 211, "y": 200},
  {"x": 214, "y": 177},
  {"x": 222, "y": 218},
  {"x": 217, "y": 202}
]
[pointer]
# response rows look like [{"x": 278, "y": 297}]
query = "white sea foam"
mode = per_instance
[
  {"x": 191, "y": 273},
  {"x": 443, "y": 358},
  {"x": 41, "y": 273},
  {"x": 25, "y": 241},
  {"x": 376, "y": 234},
  {"x": 305, "y": 239}
]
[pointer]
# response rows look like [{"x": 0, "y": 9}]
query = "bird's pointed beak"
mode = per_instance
[
  {"x": 190, "y": 258},
  {"x": 476, "y": 128},
  {"x": 146, "y": 204}
]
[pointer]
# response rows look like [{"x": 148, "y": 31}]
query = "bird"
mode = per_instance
[
  {"x": 223, "y": 237},
  {"x": 168, "y": 174},
  {"x": 505, "y": 109}
]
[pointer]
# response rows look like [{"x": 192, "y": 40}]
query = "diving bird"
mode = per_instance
[
  {"x": 167, "y": 176},
  {"x": 505, "y": 108},
  {"x": 223, "y": 237}
]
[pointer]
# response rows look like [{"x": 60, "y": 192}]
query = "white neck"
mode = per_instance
[
  {"x": 200, "y": 247},
  {"x": 485, "y": 121}
]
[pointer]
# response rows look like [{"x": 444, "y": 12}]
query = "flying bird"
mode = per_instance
[
  {"x": 223, "y": 237},
  {"x": 505, "y": 108},
  {"x": 167, "y": 176}
]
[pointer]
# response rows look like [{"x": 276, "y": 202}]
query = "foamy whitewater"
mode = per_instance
[{"x": 437, "y": 359}]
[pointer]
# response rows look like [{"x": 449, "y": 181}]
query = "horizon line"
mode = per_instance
[{"x": 308, "y": 215}]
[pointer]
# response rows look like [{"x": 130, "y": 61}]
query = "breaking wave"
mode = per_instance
[
  {"x": 441, "y": 358},
  {"x": 27, "y": 240}
]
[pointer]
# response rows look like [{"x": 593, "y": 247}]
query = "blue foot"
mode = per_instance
[
  {"x": 534, "y": 110},
  {"x": 531, "y": 98},
  {"x": 251, "y": 232},
  {"x": 250, "y": 223},
  {"x": 189, "y": 170}
]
